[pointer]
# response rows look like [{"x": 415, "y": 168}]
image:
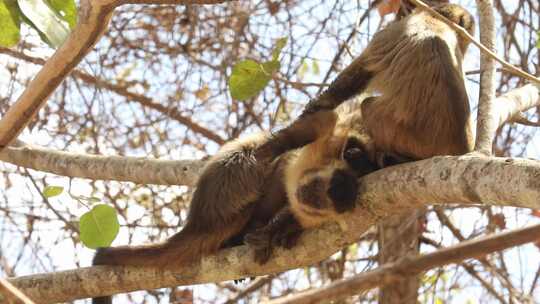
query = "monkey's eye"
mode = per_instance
[
  {"x": 356, "y": 157},
  {"x": 353, "y": 149}
]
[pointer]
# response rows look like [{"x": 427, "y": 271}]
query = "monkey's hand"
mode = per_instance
[{"x": 283, "y": 231}]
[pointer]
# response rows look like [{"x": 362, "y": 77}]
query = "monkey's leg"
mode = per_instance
[
  {"x": 349, "y": 83},
  {"x": 283, "y": 230}
]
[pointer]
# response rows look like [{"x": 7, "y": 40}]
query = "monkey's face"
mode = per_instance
[{"x": 323, "y": 180}]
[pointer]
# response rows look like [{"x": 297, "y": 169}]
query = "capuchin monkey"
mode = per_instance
[
  {"x": 267, "y": 188},
  {"x": 421, "y": 109}
]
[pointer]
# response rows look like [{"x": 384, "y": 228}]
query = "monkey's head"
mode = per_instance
[
  {"x": 459, "y": 16},
  {"x": 322, "y": 181}
]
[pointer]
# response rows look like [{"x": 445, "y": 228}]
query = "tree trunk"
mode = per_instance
[{"x": 399, "y": 236}]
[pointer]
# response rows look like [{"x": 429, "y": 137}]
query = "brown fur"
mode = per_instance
[
  {"x": 415, "y": 66},
  {"x": 239, "y": 190},
  {"x": 422, "y": 110}
]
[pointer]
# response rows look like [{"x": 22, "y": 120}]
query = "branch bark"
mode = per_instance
[
  {"x": 486, "y": 127},
  {"x": 465, "y": 179},
  {"x": 140, "y": 170},
  {"x": 94, "y": 18},
  {"x": 407, "y": 266},
  {"x": 12, "y": 295},
  {"x": 184, "y": 172}
]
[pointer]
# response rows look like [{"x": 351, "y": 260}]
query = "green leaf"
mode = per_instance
[
  {"x": 248, "y": 78},
  {"x": 538, "y": 39},
  {"x": 304, "y": 68},
  {"x": 51, "y": 191},
  {"x": 45, "y": 20},
  {"x": 280, "y": 44},
  {"x": 315, "y": 67},
  {"x": 99, "y": 226},
  {"x": 66, "y": 9},
  {"x": 10, "y": 23}
]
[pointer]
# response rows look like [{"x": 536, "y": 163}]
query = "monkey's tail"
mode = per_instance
[{"x": 182, "y": 248}]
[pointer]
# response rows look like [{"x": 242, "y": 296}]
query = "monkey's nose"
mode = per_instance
[{"x": 343, "y": 190}]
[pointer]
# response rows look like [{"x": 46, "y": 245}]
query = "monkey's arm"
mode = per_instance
[{"x": 349, "y": 83}]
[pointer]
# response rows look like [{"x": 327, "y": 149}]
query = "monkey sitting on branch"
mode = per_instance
[
  {"x": 421, "y": 110},
  {"x": 272, "y": 186}
]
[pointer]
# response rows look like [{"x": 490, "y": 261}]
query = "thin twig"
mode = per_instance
[
  {"x": 509, "y": 67},
  {"x": 11, "y": 295}
]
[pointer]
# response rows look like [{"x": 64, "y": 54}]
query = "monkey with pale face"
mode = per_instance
[{"x": 268, "y": 188}]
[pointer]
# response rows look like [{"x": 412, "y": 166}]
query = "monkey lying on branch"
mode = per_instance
[{"x": 267, "y": 188}]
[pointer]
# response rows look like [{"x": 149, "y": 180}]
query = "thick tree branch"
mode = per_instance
[
  {"x": 407, "y": 266},
  {"x": 485, "y": 120},
  {"x": 465, "y": 179},
  {"x": 185, "y": 172},
  {"x": 140, "y": 170},
  {"x": 94, "y": 18}
]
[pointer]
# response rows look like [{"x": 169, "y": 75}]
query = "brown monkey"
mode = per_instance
[
  {"x": 415, "y": 64},
  {"x": 240, "y": 189},
  {"x": 422, "y": 110}
]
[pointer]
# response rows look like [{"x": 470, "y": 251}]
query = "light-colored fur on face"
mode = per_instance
[{"x": 310, "y": 169}]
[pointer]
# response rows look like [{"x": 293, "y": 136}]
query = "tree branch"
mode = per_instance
[
  {"x": 140, "y": 170},
  {"x": 93, "y": 20},
  {"x": 12, "y": 295},
  {"x": 485, "y": 120},
  {"x": 184, "y": 172},
  {"x": 465, "y": 179},
  {"x": 407, "y": 266}
]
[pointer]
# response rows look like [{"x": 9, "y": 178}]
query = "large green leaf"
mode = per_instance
[
  {"x": 248, "y": 78},
  {"x": 99, "y": 226},
  {"x": 45, "y": 20},
  {"x": 10, "y": 23},
  {"x": 66, "y": 9}
]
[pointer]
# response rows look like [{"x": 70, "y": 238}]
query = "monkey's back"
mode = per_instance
[{"x": 423, "y": 109}]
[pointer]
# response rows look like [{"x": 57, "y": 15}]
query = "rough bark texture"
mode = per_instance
[
  {"x": 399, "y": 236},
  {"x": 465, "y": 179},
  {"x": 487, "y": 124},
  {"x": 185, "y": 172},
  {"x": 141, "y": 170}
]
